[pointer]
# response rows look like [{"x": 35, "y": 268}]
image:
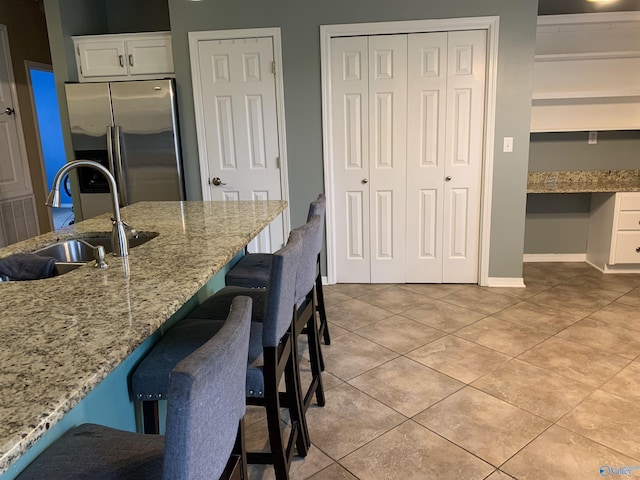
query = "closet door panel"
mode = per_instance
[
  {"x": 426, "y": 114},
  {"x": 350, "y": 133},
  {"x": 388, "y": 150},
  {"x": 463, "y": 155}
]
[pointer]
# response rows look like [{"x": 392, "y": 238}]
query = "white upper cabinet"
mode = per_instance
[
  {"x": 587, "y": 73},
  {"x": 137, "y": 56}
]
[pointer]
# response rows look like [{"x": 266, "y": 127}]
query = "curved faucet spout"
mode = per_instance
[{"x": 118, "y": 231}]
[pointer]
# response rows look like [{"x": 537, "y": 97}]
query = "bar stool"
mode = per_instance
[
  {"x": 271, "y": 355},
  {"x": 253, "y": 271},
  {"x": 201, "y": 442}
]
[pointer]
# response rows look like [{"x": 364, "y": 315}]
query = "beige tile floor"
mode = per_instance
[{"x": 461, "y": 382}]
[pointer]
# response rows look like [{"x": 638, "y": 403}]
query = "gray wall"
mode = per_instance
[
  {"x": 615, "y": 150},
  {"x": 300, "y": 22},
  {"x": 557, "y": 223},
  {"x": 127, "y": 16}
]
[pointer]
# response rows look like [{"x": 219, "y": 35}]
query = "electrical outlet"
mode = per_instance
[
  {"x": 507, "y": 144},
  {"x": 593, "y": 138}
]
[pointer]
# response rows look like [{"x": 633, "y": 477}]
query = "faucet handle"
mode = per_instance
[
  {"x": 129, "y": 230},
  {"x": 98, "y": 254}
]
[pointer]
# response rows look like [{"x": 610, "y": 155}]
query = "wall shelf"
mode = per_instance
[{"x": 585, "y": 76}]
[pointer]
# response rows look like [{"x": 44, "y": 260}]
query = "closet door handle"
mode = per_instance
[
  {"x": 447, "y": 178},
  {"x": 364, "y": 181}
]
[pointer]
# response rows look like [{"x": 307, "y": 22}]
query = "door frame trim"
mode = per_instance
[
  {"x": 44, "y": 67},
  {"x": 491, "y": 25},
  {"x": 274, "y": 34}
]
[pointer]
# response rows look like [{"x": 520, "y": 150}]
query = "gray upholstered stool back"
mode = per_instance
[
  {"x": 282, "y": 287},
  {"x": 207, "y": 400},
  {"x": 306, "y": 275}
]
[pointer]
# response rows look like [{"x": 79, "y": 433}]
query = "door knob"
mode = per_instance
[
  {"x": 9, "y": 111},
  {"x": 447, "y": 178},
  {"x": 216, "y": 181},
  {"x": 364, "y": 180}
]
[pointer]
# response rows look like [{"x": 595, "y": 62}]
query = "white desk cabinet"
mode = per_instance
[
  {"x": 136, "y": 56},
  {"x": 613, "y": 244}
]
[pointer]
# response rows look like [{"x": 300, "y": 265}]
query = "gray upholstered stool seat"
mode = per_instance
[
  {"x": 252, "y": 271},
  {"x": 150, "y": 379},
  {"x": 100, "y": 453},
  {"x": 204, "y": 422}
]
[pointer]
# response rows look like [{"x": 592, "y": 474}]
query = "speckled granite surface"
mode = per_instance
[
  {"x": 61, "y": 336},
  {"x": 584, "y": 181}
]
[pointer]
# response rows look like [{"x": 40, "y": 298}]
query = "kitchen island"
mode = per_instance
[{"x": 63, "y": 337}]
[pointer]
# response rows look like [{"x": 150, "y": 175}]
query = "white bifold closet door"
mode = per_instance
[{"x": 407, "y": 129}]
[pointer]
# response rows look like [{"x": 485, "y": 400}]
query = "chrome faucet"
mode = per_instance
[{"x": 119, "y": 237}]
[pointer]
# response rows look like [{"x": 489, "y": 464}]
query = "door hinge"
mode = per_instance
[{"x": 273, "y": 67}]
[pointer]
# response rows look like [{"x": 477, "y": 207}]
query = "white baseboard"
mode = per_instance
[
  {"x": 634, "y": 268},
  {"x": 508, "y": 282},
  {"x": 554, "y": 257}
]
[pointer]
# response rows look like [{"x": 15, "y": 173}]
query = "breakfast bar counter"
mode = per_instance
[{"x": 62, "y": 336}]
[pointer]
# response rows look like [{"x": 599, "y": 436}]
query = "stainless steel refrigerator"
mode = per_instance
[{"x": 131, "y": 128}]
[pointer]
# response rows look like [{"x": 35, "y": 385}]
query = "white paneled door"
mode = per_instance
[
  {"x": 407, "y": 146},
  {"x": 240, "y": 119},
  {"x": 14, "y": 174}
]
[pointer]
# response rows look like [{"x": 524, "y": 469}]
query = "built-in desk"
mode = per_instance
[
  {"x": 64, "y": 337},
  {"x": 613, "y": 233}
]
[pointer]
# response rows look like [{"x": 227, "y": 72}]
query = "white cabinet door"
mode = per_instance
[
  {"x": 409, "y": 120},
  {"x": 237, "y": 94},
  {"x": 150, "y": 56},
  {"x": 102, "y": 58},
  {"x": 136, "y": 56}
]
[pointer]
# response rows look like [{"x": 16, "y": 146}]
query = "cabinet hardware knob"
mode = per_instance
[
  {"x": 447, "y": 178},
  {"x": 638, "y": 250}
]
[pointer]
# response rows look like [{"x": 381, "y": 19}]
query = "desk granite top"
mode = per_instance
[
  {"x": 61, "y": 336},
  {"x": 584, "y": 181}
]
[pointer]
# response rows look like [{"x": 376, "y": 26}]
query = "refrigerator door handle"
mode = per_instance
[
  {"x": 111, "y": 165},
  {"x": 121, "y": 178}
]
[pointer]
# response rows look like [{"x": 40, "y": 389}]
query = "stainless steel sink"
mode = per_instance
[{"x": 74, "y": 253}]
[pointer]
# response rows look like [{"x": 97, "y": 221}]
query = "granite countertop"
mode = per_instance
[
  {"x": 61, "y": 336},
  {"x": 584, "y": 181}
]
